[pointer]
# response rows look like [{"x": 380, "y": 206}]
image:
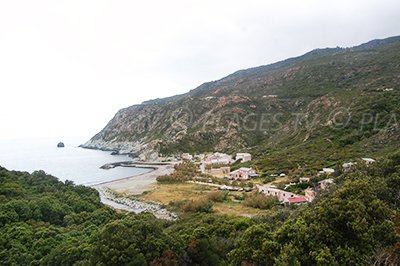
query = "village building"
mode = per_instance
[
  {"x": 326, "y": 171},
  {"x": 243, "y": 173},
  {"x": 298, "y": 200},
  {"x": 186, "y": 156},
  {"x": 310, "y": 194},
  {"x": 283, "y": 196},
  {"x": 368, "y": 160},
  {"x": 200, "y": 157},
  {"x": 304, "y": 179},
  {"x": 218, "y": 158},
  {"x": 243, "y": 157},
  {"x": 324, "y": 184},
  {"x": 347, "y": 166},
  {"x": 270, "y": 96}
]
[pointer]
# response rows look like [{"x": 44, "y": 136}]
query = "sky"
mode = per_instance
[{"x": 66, "y": 67}]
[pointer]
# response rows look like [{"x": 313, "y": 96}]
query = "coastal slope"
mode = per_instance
[{"x": 338, "y": 102}]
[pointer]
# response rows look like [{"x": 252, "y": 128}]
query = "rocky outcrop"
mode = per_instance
[
  {"x": 60, "y": 145},
  {"x": 134, "y": 149}
]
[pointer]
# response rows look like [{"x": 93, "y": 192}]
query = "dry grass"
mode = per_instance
[
  {"x": 280, "y": 182},
  {"x": 168, "y": 193},
  {"x": 236, "y": 209}
]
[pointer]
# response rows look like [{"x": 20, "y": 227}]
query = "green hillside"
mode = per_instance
[
  {"x": 327, "y": 106},
  {"x": 357, "y": 222}
]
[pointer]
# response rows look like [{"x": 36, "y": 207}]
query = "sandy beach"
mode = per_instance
[{"x": 135, "y": 185}]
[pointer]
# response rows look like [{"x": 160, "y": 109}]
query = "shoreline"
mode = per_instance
[
  {"x": 135, "y": 185},
  {"x": 128, "y": 183},
  {"x": 132, "y": 205}
]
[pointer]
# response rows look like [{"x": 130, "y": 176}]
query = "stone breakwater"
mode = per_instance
[
  {"x": 122, "y": 203},
  {"x": 139, "y": 164}
]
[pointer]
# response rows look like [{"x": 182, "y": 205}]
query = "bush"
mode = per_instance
[
  {"x": 218, "y": 196},
  {"x": 239, "y": 196},
  {"x": 260, "y": 201},
  {"x": 171, "y": 179},
  {"x": 198, "y": 206},
  {"x": 298, "y": 188},
  {"x": 183, "y": 172}
]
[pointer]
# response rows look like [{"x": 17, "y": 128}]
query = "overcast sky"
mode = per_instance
[{"x": 66, "y": 67}]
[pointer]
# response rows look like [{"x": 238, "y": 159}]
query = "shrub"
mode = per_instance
[
  {"x": 183, "y": 172},
  {"x": 260, "y": 201},
  {"x": 198, "y": 206},
  {"x": 239, "y": 196},
  {"x": 218, "y": 196}
]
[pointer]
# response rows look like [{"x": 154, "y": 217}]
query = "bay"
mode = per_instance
[{"x": 71, "y": 162}]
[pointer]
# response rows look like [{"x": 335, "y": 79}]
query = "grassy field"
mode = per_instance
[
  {"x": 236, "y": 209},
  {"x": 168, "y": 194}
]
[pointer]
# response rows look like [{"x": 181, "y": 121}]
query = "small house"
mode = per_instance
[
  {"x": 218, "y": 158},
  {"x": 310, "y": 194},
  {"x": 297, "y": 200},
  {"x": 283, "y": 196},
  {"x": 243, "y": 173},
  {"x": 326, "y": 171},
  {"x": 324, "y": 184},
  {"x": 243, "y": 157},
  {"x": 304, "y": 179},
  {"x": 368, "y": 160},
  {"x": 186, "y": 156}
]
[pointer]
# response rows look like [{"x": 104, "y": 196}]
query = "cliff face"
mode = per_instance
[{"x": 298, "y": 102}]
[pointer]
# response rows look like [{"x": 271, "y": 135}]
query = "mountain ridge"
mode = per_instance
[{"x": 211, "y": 116}]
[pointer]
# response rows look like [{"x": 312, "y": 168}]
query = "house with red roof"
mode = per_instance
[{"x": 297, "y": 200}]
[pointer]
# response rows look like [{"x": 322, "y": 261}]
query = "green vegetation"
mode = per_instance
[
  {"x": 183, "y": 172},
  {"x": 46, "y": 222},
  {"x": 298, "y": 188},
  {"x": 218, "y": 196},
  {"x": 260, "y": 201},
  {"x": 199, "y": 205},
  {"x": 327, "y": 106}
]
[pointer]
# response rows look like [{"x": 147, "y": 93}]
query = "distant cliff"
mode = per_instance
[{"x": 325, "y": 101}]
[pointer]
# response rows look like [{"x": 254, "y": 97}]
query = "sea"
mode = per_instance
[{"x": 82, "y": 166}]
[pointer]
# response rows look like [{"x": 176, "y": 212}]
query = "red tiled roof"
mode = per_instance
[{"x": 297, "y": 200}]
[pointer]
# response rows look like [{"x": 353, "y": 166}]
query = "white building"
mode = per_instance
[
  {"x": 283, "y": 196},
  {"x": 326, "y": 171},
  {"x": 244, "y": 157},
  {"x": 218, "y": 158},
  {"x": 243, "y": 173},
  {"x": 348, "y": 165},
  {"x": 324, "y": 184},
  {"x": 368, "y": 160},
  {"x": 186, "y": 156},
  {"x": 304, "y": 179}
]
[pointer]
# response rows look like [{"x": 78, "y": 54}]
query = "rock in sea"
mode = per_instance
[{"x": 60, "y": 145}]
